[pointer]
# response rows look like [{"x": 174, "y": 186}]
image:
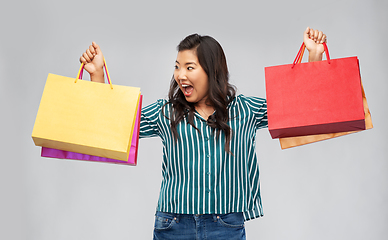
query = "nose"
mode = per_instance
[{"x": 181, "y": 74}]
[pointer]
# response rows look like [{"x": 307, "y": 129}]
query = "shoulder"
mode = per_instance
[
  {"x": 155, "y": 107},
  {"x": 251, "y": 108},
  {"x": 249, "y": 101},
  {"x": 157, "y": 104}
]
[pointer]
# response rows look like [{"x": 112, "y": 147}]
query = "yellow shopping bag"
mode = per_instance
[{"x": 86, "y": 117}]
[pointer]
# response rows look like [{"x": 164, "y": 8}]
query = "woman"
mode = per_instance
[{"x": 210, "y": 172}]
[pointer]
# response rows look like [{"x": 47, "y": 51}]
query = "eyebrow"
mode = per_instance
[{"x": 188, "y": 63}]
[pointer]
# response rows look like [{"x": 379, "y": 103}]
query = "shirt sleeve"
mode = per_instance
[
  {"x": 150, "y": 119},
  {"x": 259, "y": 108}
]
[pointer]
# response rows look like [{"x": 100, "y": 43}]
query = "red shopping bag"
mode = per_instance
[
  {"x": 302, "y": 140},
  {"x": 315, "y": 97}
]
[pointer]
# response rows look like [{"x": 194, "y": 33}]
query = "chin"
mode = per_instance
[{"x": 190, "y": 100}]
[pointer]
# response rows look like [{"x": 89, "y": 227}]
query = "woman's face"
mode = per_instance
[{"x": 191, "y": 77}]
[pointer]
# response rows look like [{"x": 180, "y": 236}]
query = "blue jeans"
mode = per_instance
[{"x": 170, "y": 226}]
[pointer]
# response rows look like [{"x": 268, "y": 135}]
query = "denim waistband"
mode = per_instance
[{"x": 177, "y": 216}]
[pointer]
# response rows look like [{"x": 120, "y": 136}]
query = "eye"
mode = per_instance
[
  {"x": 190, "y": 68},
  {"x": 176, "y": 67}
]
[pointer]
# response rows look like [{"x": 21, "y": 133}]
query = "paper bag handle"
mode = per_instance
[
  {"x": 81, "y": 70},
  {"x": 299, "y": 56}
]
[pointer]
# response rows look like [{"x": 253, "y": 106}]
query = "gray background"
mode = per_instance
[{"x": 336, "y": 189}]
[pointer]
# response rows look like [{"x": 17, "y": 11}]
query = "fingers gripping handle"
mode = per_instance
[
  {"x": 299, "y": 56},
  {"x": 81, "y": 70}
]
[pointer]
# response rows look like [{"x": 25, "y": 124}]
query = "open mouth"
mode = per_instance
[{"x": 187, "y": 89}]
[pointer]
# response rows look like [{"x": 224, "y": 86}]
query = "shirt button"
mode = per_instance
[
  {"x": 206, "y": 138},
  {"x": 208, "y": 156},
  {"x": 208, "y": 173}
]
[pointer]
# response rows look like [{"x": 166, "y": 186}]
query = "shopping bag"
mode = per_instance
[
  {"x": 302, "y": 140},
  {"x": 315, "y": 97},
  {"x": 132, "y": 159},
  {"x": 86, "y": 117}
]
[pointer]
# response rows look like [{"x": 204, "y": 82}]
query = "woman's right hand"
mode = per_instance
[{"x": 93, "y": 61}]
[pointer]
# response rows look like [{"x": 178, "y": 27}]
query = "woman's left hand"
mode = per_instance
[{"x": 314, "y": 39}]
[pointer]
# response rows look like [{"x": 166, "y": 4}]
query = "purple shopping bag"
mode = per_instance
[{"x": 132, "y": 158}]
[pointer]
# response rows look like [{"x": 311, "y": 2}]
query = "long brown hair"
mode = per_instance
[{"x": 212, "y": 59}]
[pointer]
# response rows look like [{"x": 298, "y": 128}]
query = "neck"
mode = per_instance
[{"x": 204, "y": 110}]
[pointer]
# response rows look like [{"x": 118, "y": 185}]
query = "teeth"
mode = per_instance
[{"x": 184, "y": 85}]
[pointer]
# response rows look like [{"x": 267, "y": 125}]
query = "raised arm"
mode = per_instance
[
  {"x": 94, "y": 62},
  {"x": 314, "y": 39}
]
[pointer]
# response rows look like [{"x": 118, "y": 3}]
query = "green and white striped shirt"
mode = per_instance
[{"x": 199, "y": 176}]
